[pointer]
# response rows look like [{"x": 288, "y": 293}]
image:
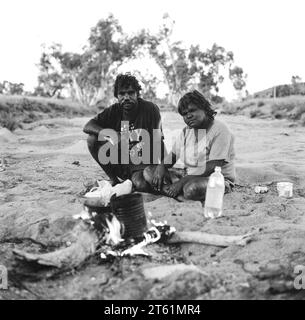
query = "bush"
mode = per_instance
[
  {"x": 298, "y": 112},
  {"x": 227, "y": 108},
  {"x": 15, "y": 110},
  {"x": 278, "y": 115},
  {"x": 8, "y": 121},
  {"x": 292, "y": 107},
  {"x": 302, "y": 120},
  {"x": 260, "y": 103},
  {"x": 255, "y": 113}
]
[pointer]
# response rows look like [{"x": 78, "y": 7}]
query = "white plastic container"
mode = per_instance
[
  {"x": 105, "y": 191},
  {"x": 285, "y": 189},
  {"x": 122, "y": 188},
  {"x": 214, "y": 195}
]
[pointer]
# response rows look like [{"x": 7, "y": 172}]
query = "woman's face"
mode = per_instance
[{"x": 194, "y": 117}]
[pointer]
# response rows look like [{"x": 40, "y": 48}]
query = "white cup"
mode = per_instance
[{"x": 284, "y": 189}]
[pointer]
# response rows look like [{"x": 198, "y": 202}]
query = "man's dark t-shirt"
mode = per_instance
[{"x": 148, "y": 118}]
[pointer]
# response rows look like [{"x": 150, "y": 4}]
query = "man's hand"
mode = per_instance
[
  {"x": 173, "y": 190},
  {"x": 109, "y": 135},
  {"x": 158, "y": 178}
]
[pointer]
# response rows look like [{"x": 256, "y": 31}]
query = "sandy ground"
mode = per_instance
[{"x": 47, "y": 167}]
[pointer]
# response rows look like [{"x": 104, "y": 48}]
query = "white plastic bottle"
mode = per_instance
[{"x": 214, "y": 194}]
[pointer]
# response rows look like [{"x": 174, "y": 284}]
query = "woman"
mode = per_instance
[{"x": 202, "y": 145}]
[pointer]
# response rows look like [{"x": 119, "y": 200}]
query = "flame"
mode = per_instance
[
  {"x": 113, "y": 236},
  {"x": 135, "y": 250},
  {"x": 153, "y": 235}
]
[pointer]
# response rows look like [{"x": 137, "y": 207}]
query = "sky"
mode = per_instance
[{"x": 266, "y": 36}]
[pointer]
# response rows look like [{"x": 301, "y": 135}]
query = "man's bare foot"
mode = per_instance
[{"x": 165, "y": 193}]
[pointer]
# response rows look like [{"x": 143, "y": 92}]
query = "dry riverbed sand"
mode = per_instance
[{"x": 47, "y": 168}]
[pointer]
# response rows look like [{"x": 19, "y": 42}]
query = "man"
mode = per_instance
[
  {"x": 204, "y": 144},
  {"x": 121, "y": 128}
]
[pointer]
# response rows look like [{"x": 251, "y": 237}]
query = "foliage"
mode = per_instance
[
  {"x": 238, "y": 77},
  {"x": 149, "y": 87},
  {"x": 16, "y": 110},
  {"x": 7, "y": 87},
  {"x": 295, "y": 88},
  {"x": 207, "y": 65},
  {"x": 184, "y": 68},
  {"x": 88, "y": 76},
  {"x": 292, "y": 108}
]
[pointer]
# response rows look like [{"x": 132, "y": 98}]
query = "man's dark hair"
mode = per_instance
[
  {"x": 196, "y": 98},
  {"x": 126, "y": 80}
]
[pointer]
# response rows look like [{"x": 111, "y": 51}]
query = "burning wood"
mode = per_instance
[
  {"x": 162, "y": 232},
  {"x": 110, "y": 231},
  {"x": 151, "y": 236}
]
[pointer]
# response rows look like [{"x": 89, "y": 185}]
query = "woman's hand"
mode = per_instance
[{"x": 158, "y": 178}]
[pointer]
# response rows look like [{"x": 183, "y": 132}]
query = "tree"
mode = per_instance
[
  {"x": 207, "y": 66},
  {"x": 238, "y": 78},
  {"x": 88, "y": 75},
  {"x": 7, "y": 87},
  {"x": 184, "y": 68},
  {"x": 296, "y": 84},
  {"x": 51, "y": 79},
  {"x": 296, "y": 79},
  {"x": 170, "y": 56},
  {"x": 150, "y": 84}
]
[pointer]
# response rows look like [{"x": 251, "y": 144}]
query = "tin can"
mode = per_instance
[
  {"x": 129, "y": 210},
  {"x": 285, "y": 189}
]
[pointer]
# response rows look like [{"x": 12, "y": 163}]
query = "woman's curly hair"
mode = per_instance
[
  {"x": 126, "y": 80},
  {"x": 196, "y": 98}
]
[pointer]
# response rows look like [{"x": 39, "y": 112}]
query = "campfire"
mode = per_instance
[
  {"x": 114, "y": 230},
  {"x": 120, "y": 229}
]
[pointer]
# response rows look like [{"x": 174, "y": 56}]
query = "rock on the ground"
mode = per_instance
[{"x": 6, "y": 135}]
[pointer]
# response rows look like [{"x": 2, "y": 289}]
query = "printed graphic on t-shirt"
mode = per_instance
[{"x": 134, "y": 137}]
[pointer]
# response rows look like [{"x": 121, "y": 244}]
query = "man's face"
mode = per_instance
[
  {"x": 194, "y": 117},
  {"x": 127, "y": 97}
]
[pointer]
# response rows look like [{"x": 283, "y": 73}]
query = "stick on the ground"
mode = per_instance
[{"x": 210, "y": 239}]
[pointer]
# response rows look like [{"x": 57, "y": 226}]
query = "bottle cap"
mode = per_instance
[{"x": 217, "y": 169}]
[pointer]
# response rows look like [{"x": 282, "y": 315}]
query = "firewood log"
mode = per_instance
[{"x": 210, "y": 239}]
